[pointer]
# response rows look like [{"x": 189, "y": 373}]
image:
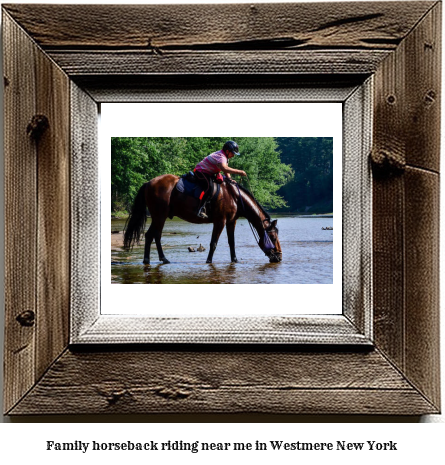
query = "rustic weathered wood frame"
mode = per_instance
[{"x": 76, "y": 56}]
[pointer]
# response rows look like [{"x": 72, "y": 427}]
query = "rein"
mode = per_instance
[{"x": 268, "y": 245}]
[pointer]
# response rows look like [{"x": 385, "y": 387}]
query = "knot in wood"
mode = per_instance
[
  {"x": 37, "y": 126},
  {"x": 114, "y": 397},
  {"x": 26, "y": 318},
  {"x": 172, "y": 393},
  {"x": 387, "y": 163}
]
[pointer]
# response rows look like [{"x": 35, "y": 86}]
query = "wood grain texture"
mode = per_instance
[
  {"x": 37, "y": 214},
  {"x": 406, "y": 240},
  {"x": 423, "y": 92},
  {"x": 219, "y": 381},
  {"x": 357, "y": 209},
  {"x": 407, "y": 114},
  {"x": 389, "y": 143},
  {"x": 274, "y": 26},
  {"x": 422, "y": 281},
  {"x": 53, "y": 206},
  {"x": 85, "y": 210},
  {"x": 398, "y": 42},
  {"x": 388, "y": 268},
  {"x": 20, "y": 212},
  {"x": 165, "y": 39},
  {"x": 79, "y": 63},
  {"x": 218, "y": 87},
  {"x": 112, "y": 329}
]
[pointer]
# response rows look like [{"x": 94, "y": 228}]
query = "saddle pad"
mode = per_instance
[{"x": 189, "y": 188}]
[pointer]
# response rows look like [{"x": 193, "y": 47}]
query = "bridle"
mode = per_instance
[{"x": 268, "y": 243}]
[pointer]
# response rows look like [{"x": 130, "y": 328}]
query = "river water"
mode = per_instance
[{"x": 307, "y": 255}]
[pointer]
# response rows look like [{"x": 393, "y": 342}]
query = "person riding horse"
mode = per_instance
[
  {"x": 163, "y": 200},
  {"x": 213, "y": 164}
]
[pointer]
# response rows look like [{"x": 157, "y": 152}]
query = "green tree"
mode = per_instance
[
  {"x": 136, "y": 160},
  {"x": 260, "y": 159},
  {"x": 312, "y": 160}
]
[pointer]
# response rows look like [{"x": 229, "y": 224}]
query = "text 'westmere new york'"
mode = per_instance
[{"x": 197, "y": 446}]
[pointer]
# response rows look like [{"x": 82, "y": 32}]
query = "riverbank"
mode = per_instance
[{"x": 117, "y": 239}]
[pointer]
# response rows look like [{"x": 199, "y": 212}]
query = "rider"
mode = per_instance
[{"x": 216, "y": 162}]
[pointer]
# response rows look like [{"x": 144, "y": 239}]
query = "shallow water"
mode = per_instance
[{"x": 307, "y": 256}]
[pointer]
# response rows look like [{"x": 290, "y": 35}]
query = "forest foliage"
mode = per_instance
[
  {"x": 285, "y": 174},
  {"x": 311, "y": 158}
]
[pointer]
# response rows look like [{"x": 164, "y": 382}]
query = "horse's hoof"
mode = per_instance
[
  {"x": 146, "y": 262},
  {"x": 234, "y": 260},
  {"x": 165, "y": 261},
  {"x": 208, "y": 261}
]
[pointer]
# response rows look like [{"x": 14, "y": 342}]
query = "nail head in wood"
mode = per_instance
[{"x": 37, "y": 126}]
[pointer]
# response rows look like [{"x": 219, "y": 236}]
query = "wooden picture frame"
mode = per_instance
[{"x": 75, "y": 56}]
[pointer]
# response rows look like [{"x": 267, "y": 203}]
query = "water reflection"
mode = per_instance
[
  {"x": 153, "y": 274},
  {"x": 307, "y": 256}
]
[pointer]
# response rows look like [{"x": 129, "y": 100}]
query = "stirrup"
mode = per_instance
[{"x": 202, "y": 213}]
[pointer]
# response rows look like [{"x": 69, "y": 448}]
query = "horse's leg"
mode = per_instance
[
  {"x": 158, "y": 200},
  {"x": 218, "y": 226},
  {"x": 148, "y": 240},
  {"x": 158, "y": 234},
  {"x": 154, "y": 232},
  {"x": 230, "y": 227}
]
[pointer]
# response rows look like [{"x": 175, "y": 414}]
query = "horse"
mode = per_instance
[{"x": 233, "y": 201}]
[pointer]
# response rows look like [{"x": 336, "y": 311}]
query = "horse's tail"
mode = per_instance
[{"x": 135, "y": 224}]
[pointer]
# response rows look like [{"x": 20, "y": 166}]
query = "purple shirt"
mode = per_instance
[{"x": 209, "y": 164}]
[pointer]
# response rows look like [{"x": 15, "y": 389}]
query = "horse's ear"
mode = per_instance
[{"x": 273, "y": 224}]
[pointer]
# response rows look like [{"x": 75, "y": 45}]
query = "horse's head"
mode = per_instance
[{"x": 271, "y": 244}]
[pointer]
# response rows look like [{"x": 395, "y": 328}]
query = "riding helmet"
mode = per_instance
[{"x": 231, "y": 146}]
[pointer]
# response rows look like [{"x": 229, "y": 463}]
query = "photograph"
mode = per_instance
[{"x": 272, "y": 196}]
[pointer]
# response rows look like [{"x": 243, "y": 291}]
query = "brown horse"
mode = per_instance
[{"x": 164, "y": 201}]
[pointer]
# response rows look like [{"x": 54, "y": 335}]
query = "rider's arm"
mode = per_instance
[{"x": 224, "y": 167}]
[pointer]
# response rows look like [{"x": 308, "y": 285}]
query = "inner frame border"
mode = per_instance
[{"x": 353, "y": 327}]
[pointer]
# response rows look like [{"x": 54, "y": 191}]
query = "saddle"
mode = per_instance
[{"x": 188, "y": 184}]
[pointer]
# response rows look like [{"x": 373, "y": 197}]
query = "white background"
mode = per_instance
[
  {"x": 214, "y": 119},
  {"x": 25, "y": 443}
]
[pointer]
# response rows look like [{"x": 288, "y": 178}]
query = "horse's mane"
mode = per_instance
[{"x": 255, "y": 201}]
